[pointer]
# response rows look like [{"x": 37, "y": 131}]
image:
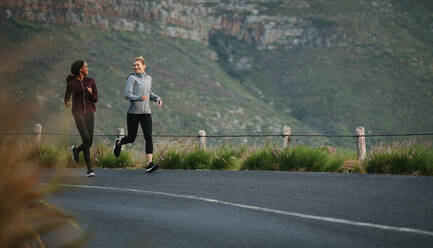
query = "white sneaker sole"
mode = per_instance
[
  {"x": 72, "y": 150},
  {"x": 91, "y": 174},
  {"x": 114, "y": 146},
  {"x": 152, "y": 169}
]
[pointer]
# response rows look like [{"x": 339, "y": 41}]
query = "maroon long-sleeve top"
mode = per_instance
[{"x": 82, "y": 100}]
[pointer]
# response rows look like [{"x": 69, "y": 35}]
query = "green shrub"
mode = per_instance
[
  {"x": 197, "y": 159},
  {"x": 223, "y": 158},
  {"x": 307, "y": 158},
  {"x": 48, "y": 155},
  {"x": 170, "y": 159},
  {"x": 338, "y": 160},
  {"x": 240, "y": 151},
  {"x": 265, "y": 159},
  {"x": 51, "y": 156},
  {"x": 378, "y": 163},
  {"x": 54, "y": 156},
  {"x": 334, "y": 163},
  {"x": 298, "y": 158},
  {"x": 125, "y": 160},
  {"x": 110, "y": 161},
  {"x": 401, "y": 158},
  {"x": 398, "y": 158},
  {"x": 107, "y": 161}
]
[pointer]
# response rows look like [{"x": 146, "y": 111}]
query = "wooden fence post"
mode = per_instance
[
  {"x": 362, "y": 150},
  {"x": 37, "y": 131},
  {"x": 202, "y": 139},
  {"x": 120, "y": 132},
  {"x": 286, "y": 137}
]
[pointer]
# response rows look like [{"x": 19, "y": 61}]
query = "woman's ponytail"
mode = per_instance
[{"x": 70, "y": 77}]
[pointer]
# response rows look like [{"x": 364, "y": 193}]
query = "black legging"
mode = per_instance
[
  {"x": 85, "y": 123},
  {"x": 132, "y": 121}
]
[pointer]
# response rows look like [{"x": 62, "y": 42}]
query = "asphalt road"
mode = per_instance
[{"x": 176, "y": 208}]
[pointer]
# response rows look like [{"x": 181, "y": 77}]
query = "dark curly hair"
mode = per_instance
[{"x": 75, "y": 70}]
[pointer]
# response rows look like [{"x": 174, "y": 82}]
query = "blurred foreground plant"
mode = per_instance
[{"x": 26, "y": 219}]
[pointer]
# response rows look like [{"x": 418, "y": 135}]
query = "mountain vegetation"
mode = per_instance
[{"x": 354, "y": 63}]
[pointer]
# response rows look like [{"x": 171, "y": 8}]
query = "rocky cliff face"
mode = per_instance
[{"x": 187, "y": 19}]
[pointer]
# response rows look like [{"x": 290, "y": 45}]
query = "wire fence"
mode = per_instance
[
  {"x": 229, "y": 135},
  {"x": 284, "y": 139},
  {"x": 348, "y": 141}
]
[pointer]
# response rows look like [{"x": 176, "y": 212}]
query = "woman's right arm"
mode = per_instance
[
  {"x": 68, "y": 94},
  {"x": 129, "y": 91}
]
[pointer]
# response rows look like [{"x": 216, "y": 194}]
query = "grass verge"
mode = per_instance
[
  {"x": 397, "y": 158},
  {"x": 401, "y": 158}
]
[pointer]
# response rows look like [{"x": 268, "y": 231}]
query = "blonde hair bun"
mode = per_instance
[{"x": 141, "y": 59}]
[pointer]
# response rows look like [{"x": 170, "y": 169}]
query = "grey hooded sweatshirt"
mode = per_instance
[{"x": 138, "y": 85}]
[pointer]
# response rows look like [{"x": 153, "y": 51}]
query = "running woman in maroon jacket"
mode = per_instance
[{"x": 84, "y": 96}]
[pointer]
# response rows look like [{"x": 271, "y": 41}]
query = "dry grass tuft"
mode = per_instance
[{"x": 25, "y": 217}]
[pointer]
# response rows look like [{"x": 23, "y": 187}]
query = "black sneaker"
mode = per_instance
[
  {"x": 152, "y": 167},
  {"x": 90, "y": 173},
  {"x": 116, "y": 148},
  {"x": 75, "y": 156}
]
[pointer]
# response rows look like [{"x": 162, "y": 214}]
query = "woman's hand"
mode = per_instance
[
  {"x": 159, "y": 102},
  {"x": 144, "y": 97},
  {"x": 89, "y": 90},
  {"x": 68, "y": 104}
]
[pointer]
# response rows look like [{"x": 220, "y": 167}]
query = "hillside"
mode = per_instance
[
  {"x": 379, "y": 76},
  {"x": 234, "y": 66},
  {"x": 197, "y": 93}
]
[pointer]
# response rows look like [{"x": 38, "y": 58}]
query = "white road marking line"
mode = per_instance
[{"x": 267, "y": 210}]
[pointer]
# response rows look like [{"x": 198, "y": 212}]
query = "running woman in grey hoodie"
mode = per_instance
[{"x": 138, "y": 92}]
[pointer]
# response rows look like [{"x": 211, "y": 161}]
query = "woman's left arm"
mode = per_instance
[
  {"x": 94, "y": 95},
  {"x": 154, "y": 97}
]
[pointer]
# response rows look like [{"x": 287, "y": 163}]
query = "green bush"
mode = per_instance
[
  {"x": 48, "y": 155},
  {"x": 223, "y": 158},
  {"x": 197, "y": 159},
  {"x": 312, "y": 159},
  {"x": 52, "y": 156},
  {"x": 191, "y": 157},
  {"x": 309, "y": 158},
  {"x": 110, "y": 161},
  {"x": 170, "y": 159},
  {"x": 265, "y": 159},
  {"x": 334, "y": 163},
  {"x": 59, "y": 156},
  {"x": 298, "y": 158},
  {"x": 401, "y": 158},
  {"x": 107, "y": 161},
  {"x": 398, "y": 158}
]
